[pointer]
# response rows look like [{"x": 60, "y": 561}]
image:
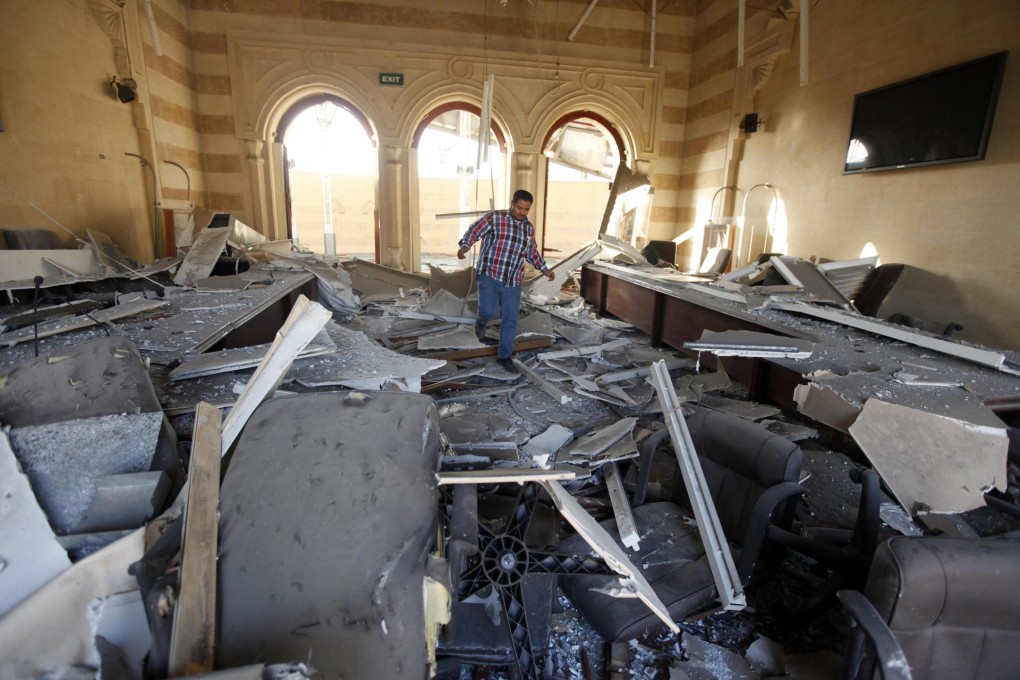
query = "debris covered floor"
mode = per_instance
[{"x": 104, "y": 438}]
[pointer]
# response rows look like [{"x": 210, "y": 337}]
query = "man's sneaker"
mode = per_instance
[
  {"x": 507, "y": 364},
  {"x": 480, "y": 332},
  {"x": 488, "y": 342}
]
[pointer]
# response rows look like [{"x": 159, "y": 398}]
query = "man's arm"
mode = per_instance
[
  {"x": 474, "y": 232},
  {"x": 535, "y": 258}
]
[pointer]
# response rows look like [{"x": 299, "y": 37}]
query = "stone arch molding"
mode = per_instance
[{"x": 265, "y": 70}]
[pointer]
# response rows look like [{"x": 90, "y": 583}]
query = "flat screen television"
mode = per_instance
[{"x": 941, "y": 117}]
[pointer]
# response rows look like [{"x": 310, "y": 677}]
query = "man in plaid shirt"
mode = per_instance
[{"x": 508, "y": 238}]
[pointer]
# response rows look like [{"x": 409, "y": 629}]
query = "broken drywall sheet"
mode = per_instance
[
  {"x": 931, "y": 461},
  {"x": 548, "y": 442},
  {"x": 751, "y": 344},
  {"x": 600, "y": 439},
  {"x": 108, "y": 253},
  {"x": 541, "y": 288},
  {"x": 335, "y": 286},
  {"x": 821, "y": 403},
  {"x": 748, "y": 410},
  {"x": 61, "y": 459},
  {"x": 459, "y": 282},
  {"x": 444, "y": 303},
  {"x": 63, "y": 609},
  {"x": 369, "y": 278},
  {"x": 29, "y": 553},
  {"x": 580, "y": 335},
  {"x": 535, "y": 324},
  {"x": 202, "y": 257},
  {"x": 459, "y": 338},
  {"x": 58, "y": 326},
  {"x": 360, "y": 363}
]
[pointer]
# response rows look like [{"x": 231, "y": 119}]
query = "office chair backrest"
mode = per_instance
[
  {"x": 952, "y": 604},
  {"x": 741, "y": 460},
  {"x": 715, "y": 261}
]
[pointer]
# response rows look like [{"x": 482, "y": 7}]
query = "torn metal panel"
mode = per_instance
[
  {"x": 29, "y": 553},
  {"x": 717, "y": 549},
  {"x": 602, "y": 543},
  {"x": 803, "y": 274},
  {"x": 202, "y": 256},
  {"x": 335, "y": 285},
  {"x": 751, "y": 344},
  {"x": 621, "y": 507},
  {"x": 49, "y": 312},
  {"x": 60, "y": 326},
  {"x": 62, "y": 608},
  {"x": 848, "y": 276},
  {"x": 611, "y": 394},
  {"x": 458, "y": 282},
  {"x": 930, "y": 461},
  {"x": 543, "y": 288},
  {"x": 626, "y": 249},
  {"x": 361, "y": 364}
]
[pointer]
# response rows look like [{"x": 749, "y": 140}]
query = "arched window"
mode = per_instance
[
  {"x": 455, "y": 176},
  {"x": 583, "y": 151},
  {"x": 332, "y": 173}
]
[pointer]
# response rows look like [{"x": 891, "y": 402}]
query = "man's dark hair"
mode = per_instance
[{"x": 522, "y": 195}]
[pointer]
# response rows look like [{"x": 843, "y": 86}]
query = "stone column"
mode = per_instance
[
  {"x": 259, "y": 185},
  {"x": 394, "y": 228}
]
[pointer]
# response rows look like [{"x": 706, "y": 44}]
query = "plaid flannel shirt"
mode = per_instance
[{"x": 506, "y": 243}]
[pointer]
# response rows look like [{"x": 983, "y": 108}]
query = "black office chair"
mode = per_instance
[
  {"x": 937, "y": 608},
  {"x": 752, "y": 477}
]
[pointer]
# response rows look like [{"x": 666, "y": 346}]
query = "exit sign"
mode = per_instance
[{"x": 391, "y": 79}]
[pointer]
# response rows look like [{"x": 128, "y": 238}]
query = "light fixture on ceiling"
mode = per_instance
[{"x": 125, "y": 89}]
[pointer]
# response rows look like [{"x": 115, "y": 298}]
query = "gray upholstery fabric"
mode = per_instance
[
  {"x": 952, "y": 604},
  {"x": 741, "y": 461},
  {"x": 28, "y": 238},
  {"x": 329, "y": 512}
]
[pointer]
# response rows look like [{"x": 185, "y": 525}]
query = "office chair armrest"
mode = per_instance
[
  {"x": 757, "y": 528},
  {"x": 871, "y": 628}
]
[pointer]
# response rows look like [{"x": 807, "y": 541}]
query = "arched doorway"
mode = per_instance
[
  {"x": 457, "y": 181},
  {"x": 331, "y": 163},
  {"x": 583, "y": 151}
]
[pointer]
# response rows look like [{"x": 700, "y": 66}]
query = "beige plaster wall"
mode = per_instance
[
  {"x": 60, "y": 120},
  {"x": 956, "y": 221}
]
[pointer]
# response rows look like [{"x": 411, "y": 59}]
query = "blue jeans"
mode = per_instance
[{"x": 495, "y": 298}]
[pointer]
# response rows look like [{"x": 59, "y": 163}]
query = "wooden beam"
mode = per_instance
[
  {"x": 194, "y": 628},
  {"x": 304, "y": 323}
]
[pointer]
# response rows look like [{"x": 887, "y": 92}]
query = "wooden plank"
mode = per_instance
[
  {"x": 304, "y": 323},
  {"x": 717, "y": 549},
  {"x": 194, "y": 628},
  {"x": 547, "y": 387},
  {"x": 621, "y": 507},
  {"x": 503, "y": 475},
  {"x": 519, "y": 346},
  {"x": 602, "y": 543}
]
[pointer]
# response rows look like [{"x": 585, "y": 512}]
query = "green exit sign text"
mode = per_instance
[{"x": 391, "y": 79}]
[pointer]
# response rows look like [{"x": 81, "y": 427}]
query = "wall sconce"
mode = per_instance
[
  {"x": 124, "y": 89},
  {"x": 750, "y": 123}
]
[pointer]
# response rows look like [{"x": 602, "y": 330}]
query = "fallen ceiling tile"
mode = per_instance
[
  {"x": 202, "y": 256},
  {"x": 748, "y": 410},
  {"x": 360, "y": 363},
  {"x": 931, "y": 461},
  {"x": 221, "y": 284},
  {"x": 821, "y": 403},
  {"x": 535, "y": 324},
  {"x": 751, "y": 344},
  {"x": 445, "y": 303},
  {"x": 550, "y": 441},
  {"x": 108, "y": 253},
  {"x": 67, "y": 325},
  {"x": 458, "y": 282},
  {"x": 459, "y": 338},
  {"x": 600, "y": 439},
  {"x": 29, "y": 553},
  {"x": 369, "y": 278},
  {"x": 579, "y": 335}
]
